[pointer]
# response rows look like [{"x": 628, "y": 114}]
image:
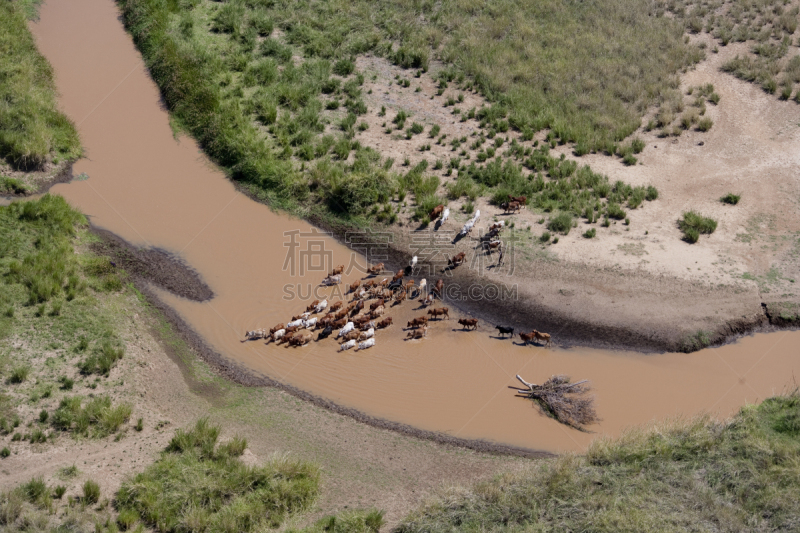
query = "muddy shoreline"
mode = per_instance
[
  {"x": 573, "y": 330},
  {"x": 191, "y": 285}
]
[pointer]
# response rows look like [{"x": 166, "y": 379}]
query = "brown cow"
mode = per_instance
[
  {"x": 339, "y": 324},
  {"x": 377, "y": 269},
  {"x": 353, "y": 335},
  {"x": 544, "y": 337},
  {"x": 335, "y": 307},
  {"x": 438, "y": 289},
  {"x": 292, "y": 329},
  {"x": 510, "y": 206},
  {"x": 370, "y": 283},
  {"x": 439, "y": 311},
  {"x": 493, "y": 245},
  {"x": 527, "y": 337},
  {"x": 399, "y": 275},
  {"x": 324, "y": 321},
  {"x": 336, "y": 271},
  {"x": 376, "y": 305},
  {"x": 468, "y": 323},
  {"x": 341, "y": 314},
  {"x": 361, "y": 320},
  {"x": 286, "y": 337},
  {"x": 385, "y": 323},
  {"x": 313, "y": 306},
  {"x": 409, "y": 285},
  {"x": 521, "y": 200},
  {"x": 399, "y": 297},
  {"x": 276, "y": 328},
  {"x": 456, "y": 260},
  {"x": 356, "y": 284},
  {"x": 436, "y": 212},
  {"x": 428, "y": 300},
  {"x": 302, "y": 316},
  {"x": 358, "y": 307},
  {"x": 378, "y": 311},
  {"x": 301, "y": 338},
  {"x": 417, "y": 322},
  {"x": 418, "y": 334}
]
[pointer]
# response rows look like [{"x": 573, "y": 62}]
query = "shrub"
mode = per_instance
[
  {"x": 194, "y": 482},
  {"x": 590, "y": 234},
  {"x": 614, "y": 211},
  {"x": 5, "y": 452},
  {"x": 35, "y": 490},
  {"x": 66, "y": 383},
  {"x": 629, "y": 160},
  {"x": 19, "y": 374},
  {"x": 139, "y": 425},
  {"x": 545, "y": 236},
  {"x": 693, "y": 225},
  {"x": 127, "y": 518},
  {"x": 560, "y": 223},
  {"x": 651, "y": 194},
  {"x": 637, "y": 145},
  {"x": 434, "y": 131},
  {"x": 416, "y": 128},
  {"x": 59, "y": 491},
  {"x": 91, "y": 492},
  {"x": 714, "y": 98},
  {"x": 38, "y": 436},
  {"x": 704, "y": 124},
  {"x": 730, "y": 198},
  {"x": 43, "y": 416}
]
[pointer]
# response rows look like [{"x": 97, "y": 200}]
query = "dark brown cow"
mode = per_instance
[
  {"x": 468, "y": 323},
  {"x": 339, "y": 324},
  {"x": 385, "y": 323},
  {"x": 456, "y": 259},
  {"x": 510, "y": 206},
  {"x": 313, "y": 306},
  {"x": 399, "y": 297},
  {"x": 439, "y": 311},
  {"x": 399, "y": 275},
  {"x": 353, "y": 335},
  {"x": 527, "y": 337},
  {"x": 356, "y": 284},
  {"x": 335, "y": 307},
  {"x": 376, "y": 305},
  {"x": 292, "y": 329},
  {"x": 521, "y": 200},
  {"x": 358, "y": 307},
  {"x": 417, "y": 322},
  {"x": 286, "y": 337},
  {"x": 276, "y": 328},
  {"x": 436, "y": 212}
]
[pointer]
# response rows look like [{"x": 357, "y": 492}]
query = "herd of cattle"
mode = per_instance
[{"x": 358, "y": 320}]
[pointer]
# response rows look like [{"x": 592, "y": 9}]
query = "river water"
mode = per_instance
[{"x": 152, "y": 189}]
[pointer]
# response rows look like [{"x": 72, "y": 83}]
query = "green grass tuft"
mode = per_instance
[
  {"x": 730, "y": 198},
  {"x": 693, "y": 225}
]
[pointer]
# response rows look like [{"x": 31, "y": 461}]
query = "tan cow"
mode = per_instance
[{"x": 439, "y": 311}]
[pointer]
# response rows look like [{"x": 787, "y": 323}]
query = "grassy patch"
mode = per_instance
[
  {"x": 730, "y": 198},
  {"x": 684, "y": 475},
  {"x": 198, "y": 485},
  {"x": 32, "y": 129},
  {"x": 693, "y": 225},
  {"x": 96, "y": 417}
]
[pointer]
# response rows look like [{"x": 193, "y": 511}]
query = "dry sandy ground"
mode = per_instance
[
  {"x": 644, "y": 283},
  {"x": 362, "y": 466}
]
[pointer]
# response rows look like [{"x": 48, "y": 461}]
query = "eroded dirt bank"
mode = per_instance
[{"x": 156, "y": 192}]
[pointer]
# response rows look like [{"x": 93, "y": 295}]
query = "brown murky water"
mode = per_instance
[{"x": 153, "y": 190}]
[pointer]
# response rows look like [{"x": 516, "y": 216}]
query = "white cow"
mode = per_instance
[
  {"x": 310, "y": 323},
  {"x": 467, "y": 227},
  {"x": 347, "y": 345},
  {"x": 278, "y": 334},
  {"x": 369, "y": 343},
  {"x": 346, "y": 329},
  {"x": 332, "y": 280},
  {"x": 367, "y": 334},
  {"x": 321, "y": 306},
  {"x": 293, "y": 323},
  {"x": 413, "y": 261},
  {"x": 476, "y": 216},
  {"x": 445, "y": 216}
]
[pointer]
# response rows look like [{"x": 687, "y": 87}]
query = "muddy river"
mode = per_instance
[{"x": 152, "y": 189}]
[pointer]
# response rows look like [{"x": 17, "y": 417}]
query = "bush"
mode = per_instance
[
  {"x": 59, "y": 492},
  {"x": 97, "y": 418},
  {"x": 614, "y": 211},
  {"x": 91, "y": 492},
  {"x": 195, "y": 483},
  {"x": 434, "y": 131},
  {"x": 35, "y": 490},
  {"x": 730, "y": 198},
  {"x": 693, "y": 225},
  {"x": 19, "y": 374},
  {"x": 629, "y": 160},
  {"x": 545, "y": 236},
  {"x": 637, "y": 145},
  {"x": 5, "y": 452},
  {"x": 651, "y": 194},
  {"x": 704, "y": 124},
  {"x": 590, "y": 234},
  {"x": 43, "y": 416},
  {"x": 561, "y": 223}
]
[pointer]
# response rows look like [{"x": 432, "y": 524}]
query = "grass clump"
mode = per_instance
[
  {"x": 97, "y": 418},
  {"x": 33, "y": 129},
  {"x": 683, "y": 475},
  {"x": 91, "y": 492},
  {"x": 693, "y": 225},
  {"x": 730, "y": 198},
  {"x": 561, "y": 223},
  {"x": 19, "y": 374},
  {"x": 197, "y": 486}
]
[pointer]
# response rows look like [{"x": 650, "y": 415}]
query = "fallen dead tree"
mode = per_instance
[{"x": 566, "y": 402}]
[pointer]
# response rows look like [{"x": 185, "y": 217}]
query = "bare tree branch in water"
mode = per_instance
[{"x": 566, "y": 402}]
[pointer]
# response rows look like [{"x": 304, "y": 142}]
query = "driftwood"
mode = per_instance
[{"x": 566, "y": 402}]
